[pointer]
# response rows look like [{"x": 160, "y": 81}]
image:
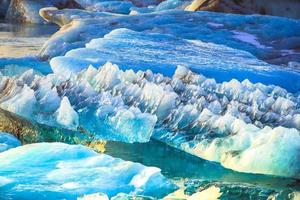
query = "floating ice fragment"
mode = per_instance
[
  {"x": 61, "y": 171},
  {"x": 7, "y": 141}
]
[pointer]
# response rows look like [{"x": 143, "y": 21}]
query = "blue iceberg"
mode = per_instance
[
  {"x": 61, "y": 171},
  {"x": 162, "y": 53},
  {"x": 7, "y": 141},
  {"x": 74, "y": 105},
  {"x": 229, "y": 122},
  {"x": 252, "y": 33}
]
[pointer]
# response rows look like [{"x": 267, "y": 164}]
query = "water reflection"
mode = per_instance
[
  {"x": 17, "y": 40},
  {"x": 179, "y": 165}
]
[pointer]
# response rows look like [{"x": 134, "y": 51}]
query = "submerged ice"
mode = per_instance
[
  {"x": 245, "y": 126},
  {"x": 61, "y": 171}
]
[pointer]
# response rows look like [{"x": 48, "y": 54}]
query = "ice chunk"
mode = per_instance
[
  {"x": 200, "y": 56},
  {"x": 75, "y": 105},
  {"x": 111, "y": 6},
  {"x": 253, "y": 31},
  {"x": 274, "y": 145},
  {"x": 7, "y": 141},
  {"x": 58, "y": 170},
  {"x": 66, "y": 115},
  {"x": 22, "y": 102}
]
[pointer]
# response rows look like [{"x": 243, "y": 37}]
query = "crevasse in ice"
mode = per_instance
[
  {"x": 61, "y": 171},
  {"x": 244, "y": 126}
]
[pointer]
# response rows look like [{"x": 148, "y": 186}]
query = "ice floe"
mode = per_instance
[
  {"x": 61, "y": 171},
  {"x": 138, "y": 51},
  {"x": 193, "y": 25}
]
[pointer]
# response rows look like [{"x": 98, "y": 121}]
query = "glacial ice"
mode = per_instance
[
  {"x": 138, "y": 51},
  {"x": 7, "y": 141},
  {"x": 193, "y": 25},
  {"x": 61, "y": 171},
  {"x": 230, "y": 122},
  {"x": 122, "y": 7},
  {"x": 74, "y": 105},
  {"x": 17, "y": 66}
]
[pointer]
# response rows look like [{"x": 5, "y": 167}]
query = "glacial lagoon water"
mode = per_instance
[
  {"x": 17, "y": 41},
  {"x": 180, "y": 167}
]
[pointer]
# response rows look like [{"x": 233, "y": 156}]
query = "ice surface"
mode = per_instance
[
  {"x": 230, "y": 122},
  {"x": 7, "y": 141},
  {"x": 17, "y": 66},
  {"x": 122, "y": 7},
  {"x": 74, "y": 105},
  {"x": 139, "y": 51},
  {"x": 193, "y": 25},
  {"x": 61, "y": 171}
]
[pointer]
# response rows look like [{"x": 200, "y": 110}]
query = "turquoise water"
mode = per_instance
[{"x": 180, "y": 166}]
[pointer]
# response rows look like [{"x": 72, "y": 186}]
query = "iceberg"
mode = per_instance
[
  {"x": 121, "y": 7},
  {"x": 74, "y": 105},
  {"x": 61, "y": 171},
  {"x": 138, "y": 51},
  {"x": 7, "y": 141},
  {"x": 229, "y": 122},
  {"x": 277, "y": 47}
]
